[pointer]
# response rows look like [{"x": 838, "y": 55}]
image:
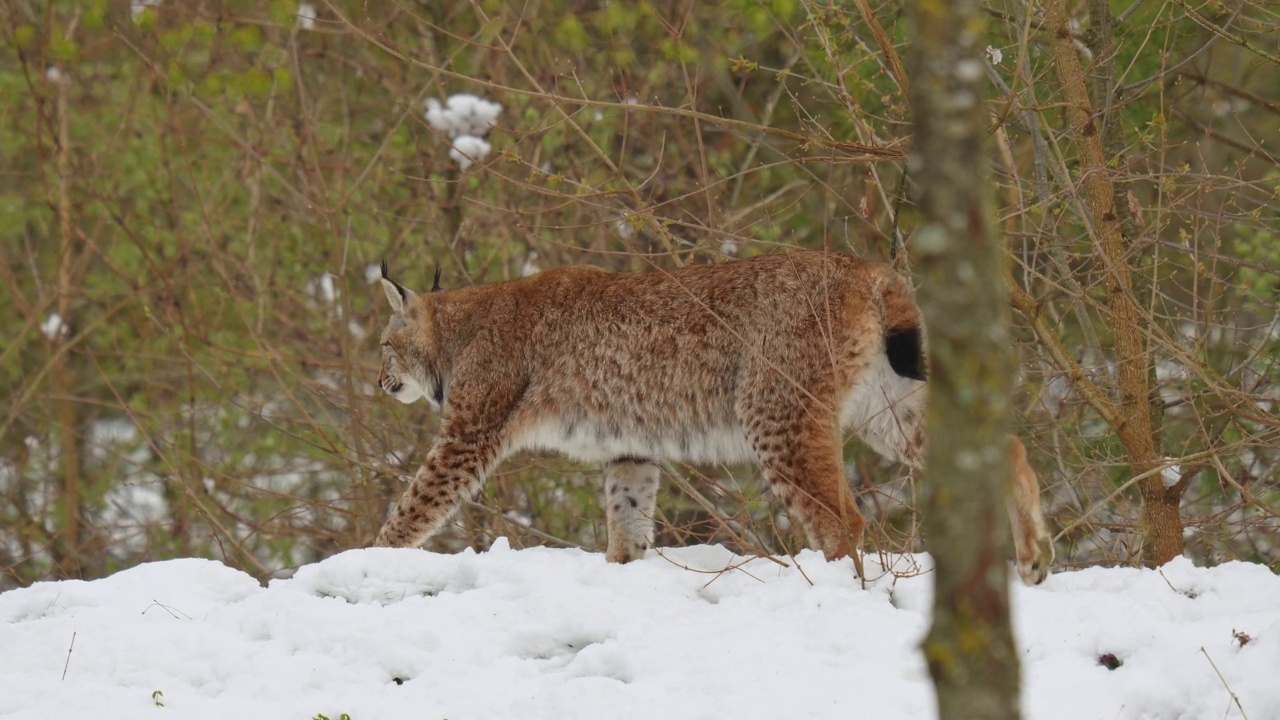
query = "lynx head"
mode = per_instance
[{"x": 408, "y": 343}]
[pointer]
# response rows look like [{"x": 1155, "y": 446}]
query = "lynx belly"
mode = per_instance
[{"x": 593, "y": 441}]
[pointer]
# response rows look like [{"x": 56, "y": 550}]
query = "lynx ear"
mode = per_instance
[
  {"x": 397, "y": 294},
  {"x": 435, "y": 281}
]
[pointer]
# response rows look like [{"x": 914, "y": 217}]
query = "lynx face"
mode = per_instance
[
  {"x": 395, "y": 378},
  {"x": 403, "y": 374},
  {"x": 766, "y": 360}
]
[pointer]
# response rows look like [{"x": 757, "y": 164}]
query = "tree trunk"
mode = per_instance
[
  {"x": 1162, "y": 522},
  {"x": 66, "y": 550},
  {"x": 970, "y": 644}
]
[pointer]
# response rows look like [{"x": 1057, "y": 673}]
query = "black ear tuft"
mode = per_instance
[
  {"x": 435, "y": 282},
  {"x": 388, "y": 285}
]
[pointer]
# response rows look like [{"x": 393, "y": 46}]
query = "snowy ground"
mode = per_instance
[{"x": 560, "y": 634}]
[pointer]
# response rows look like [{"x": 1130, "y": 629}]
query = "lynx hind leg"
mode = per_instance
[
  {"x": 1033, "y": 548},
  {"x": 801, "y": 459},
  {"x": 452, "y": 474},
  {"x": 630, "y": 499}
]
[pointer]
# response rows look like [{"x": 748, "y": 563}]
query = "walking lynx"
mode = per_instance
[{"x": 765, "y": 360}]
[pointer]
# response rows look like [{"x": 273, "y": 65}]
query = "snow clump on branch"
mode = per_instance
[
  {"x": 469, "y": 148},
  {"x": 54, "y": 327},
  {"x": 465, "y": 119},
  {"x": 463, "y": 114}
]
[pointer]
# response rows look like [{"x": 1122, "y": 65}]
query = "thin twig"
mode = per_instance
[
  {"x": 1225, "y": 684},
  {"x": 1220, "y": 31},
  {"x": 711, "y": 510},
  {"x": 525, "y": 528},
  {"x": 68, "y": 662}
]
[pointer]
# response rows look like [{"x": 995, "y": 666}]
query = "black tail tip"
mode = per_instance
[{"x": 905, "y": 348}]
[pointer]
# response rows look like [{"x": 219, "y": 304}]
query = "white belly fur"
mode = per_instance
[
  {"x": 873, "y": 408},
  {"x": 591, "y": 442}
]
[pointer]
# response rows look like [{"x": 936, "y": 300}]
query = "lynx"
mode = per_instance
[{"x": 765, "y": 360}]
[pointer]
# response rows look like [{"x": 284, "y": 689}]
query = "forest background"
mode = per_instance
[{"x": 195, "y": 197}]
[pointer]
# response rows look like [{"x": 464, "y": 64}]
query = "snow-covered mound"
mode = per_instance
[{"x": 561, "y": 634}]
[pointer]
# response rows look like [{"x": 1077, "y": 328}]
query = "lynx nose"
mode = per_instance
[{"x": 387, "y": 384}]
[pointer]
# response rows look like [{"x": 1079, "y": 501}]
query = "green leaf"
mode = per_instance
[{"x": 571, "y": 34}]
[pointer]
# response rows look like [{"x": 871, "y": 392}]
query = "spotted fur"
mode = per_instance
[{"x": 767, "y": 360}]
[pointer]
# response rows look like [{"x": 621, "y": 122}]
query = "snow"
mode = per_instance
[
  {"x": 625, "y": 229},
  {"x": 137, "y": 7},
  {"x": 465, "y": 119},
  {"x": 468, "y": 149},
  {"x": 530, "y": 267},
  {"x": 1171, "y": 473},
  {"x": 462, "y": 114},
  {"x": 53, "y": 327},
  {"x": 306, "y": 16},
  {"x": 546, "y": 633},
  {"x": 324, "y": 287}
]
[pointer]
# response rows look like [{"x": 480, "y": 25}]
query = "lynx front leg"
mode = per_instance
[
  {"x": 1032, "y": 545},
  {"x": 630, "y": 497},
  {"x": 452, "y": 474}
]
